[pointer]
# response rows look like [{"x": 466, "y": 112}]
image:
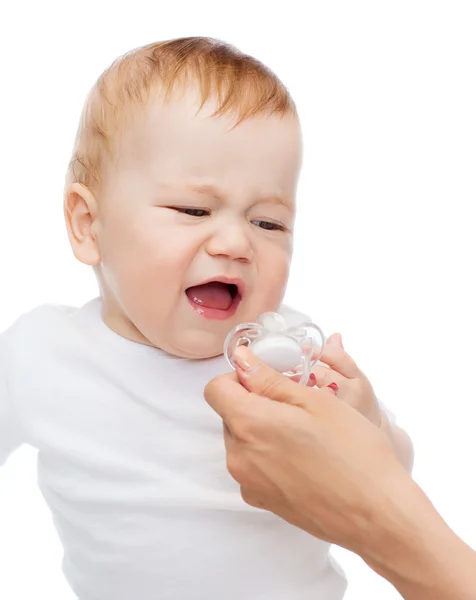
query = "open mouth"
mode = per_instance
[{"x": 215, "y": 299}]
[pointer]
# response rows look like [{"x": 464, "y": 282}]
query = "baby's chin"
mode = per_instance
[{"x": 194, "y": 345}]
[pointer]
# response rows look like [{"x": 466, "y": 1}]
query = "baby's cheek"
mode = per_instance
[
  {"x": 278, "y": 271},
  {"x": 271, "y": 284}
]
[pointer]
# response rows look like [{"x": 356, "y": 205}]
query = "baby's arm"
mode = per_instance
[{"x": 10, "y": 437}]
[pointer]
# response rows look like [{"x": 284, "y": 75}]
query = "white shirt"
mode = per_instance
[{"x": 131, "y": 462}]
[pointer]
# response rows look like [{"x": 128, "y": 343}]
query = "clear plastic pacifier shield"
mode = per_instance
[{"x": 290, "y": 350}]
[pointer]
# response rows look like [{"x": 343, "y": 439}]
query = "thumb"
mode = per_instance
[
  {"x": 335, "y": 340},
  {"x": 261, "y": 379}
]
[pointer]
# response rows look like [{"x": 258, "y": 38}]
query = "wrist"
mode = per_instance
[{"x": 414, "y": 549}]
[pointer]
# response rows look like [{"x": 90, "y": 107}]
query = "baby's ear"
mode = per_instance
[{"x": 80, "y": 212}]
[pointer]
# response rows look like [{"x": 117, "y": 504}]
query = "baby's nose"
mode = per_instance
[{"x": 231, "y": 242}]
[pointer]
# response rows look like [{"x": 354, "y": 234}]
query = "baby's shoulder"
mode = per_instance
[
  {"x": 36, "y": 321},
  {"x": 34, "y": 331}
]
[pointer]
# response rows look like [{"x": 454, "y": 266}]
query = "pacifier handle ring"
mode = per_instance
[
  {"x": 310, "y": 325},
  {"x": 306, "y": 372},
  {"x": 231, "y": 335}
]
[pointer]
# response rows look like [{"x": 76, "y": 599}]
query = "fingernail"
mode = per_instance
[
  {"x": 245, "y": 360},
  {"x": 312, "y": 379},
  {"x": 334, "y": 387}
]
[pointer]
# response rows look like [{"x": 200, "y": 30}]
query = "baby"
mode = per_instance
[{"x": 181, "y": 196}]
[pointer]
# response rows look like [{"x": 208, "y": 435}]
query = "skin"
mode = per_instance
[
  {"x": 355, "y": 389},
  {"x": 320, "y": 464},
  {"x": 188, "y": 198}
]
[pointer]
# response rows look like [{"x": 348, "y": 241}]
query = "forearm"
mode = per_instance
[{"x": 414, "y": 549}]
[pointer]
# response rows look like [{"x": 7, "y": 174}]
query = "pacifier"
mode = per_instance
[{"x": 292, "y": 351}]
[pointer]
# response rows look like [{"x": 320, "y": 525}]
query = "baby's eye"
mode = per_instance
[
  {"x": 269, "y": 225},
  {"x": 193, "y": 212}
]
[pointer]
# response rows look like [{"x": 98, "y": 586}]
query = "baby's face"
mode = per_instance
[{"x": 195, "y": 225}]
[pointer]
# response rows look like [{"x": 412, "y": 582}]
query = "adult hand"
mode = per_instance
[
  {"x": 353, "y": 387},
  {"x": 322, "y": 466},
  {"x": 307, "y": 457}
]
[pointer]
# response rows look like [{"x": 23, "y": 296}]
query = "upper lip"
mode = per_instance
[{"x": 240, "y": 286}]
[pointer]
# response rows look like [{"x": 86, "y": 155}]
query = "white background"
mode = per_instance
[{"x": 385, "y": 242}]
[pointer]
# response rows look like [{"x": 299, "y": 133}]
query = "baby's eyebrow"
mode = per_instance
[
  {"x": 212, "y": 190},
  {"x": 274, "y": 200},
  {"x": 209, "y": 190}
]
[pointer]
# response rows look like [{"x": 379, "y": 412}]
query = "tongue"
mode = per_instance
[{"x": 211, "y": 295}]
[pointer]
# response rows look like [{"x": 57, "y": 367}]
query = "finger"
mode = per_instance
[
  {"x": 228, "y": 397},
  {"x": 337, "y": 358},
  {"x": 265, "y": 381},
  {"x": 311, "y": 382},
  {"x": 325, "y": 375}
]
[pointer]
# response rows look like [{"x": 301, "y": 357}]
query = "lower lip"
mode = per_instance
[{"x": 216, "y": 313}]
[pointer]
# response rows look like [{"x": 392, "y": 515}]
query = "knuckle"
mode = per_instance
[
  {"x": 363, "y": 389},
  {"x": 344, "y": 359},
  {"x": 213, "y": 387},
  {"x": 322, "y": 374},
  {"x": 236, "y": 466},
  {"x": 251, "y": 498},
  {"x": 272, "y": 386},
  {"x": 360, "y": 398}
]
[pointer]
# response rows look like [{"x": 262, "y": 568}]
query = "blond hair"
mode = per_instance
[{"x": 241, "y": 85}]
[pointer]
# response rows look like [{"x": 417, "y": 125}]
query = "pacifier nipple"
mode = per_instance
[
  {"x": 279, "y": 352},
  {"x": 289, "y": 350}
]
